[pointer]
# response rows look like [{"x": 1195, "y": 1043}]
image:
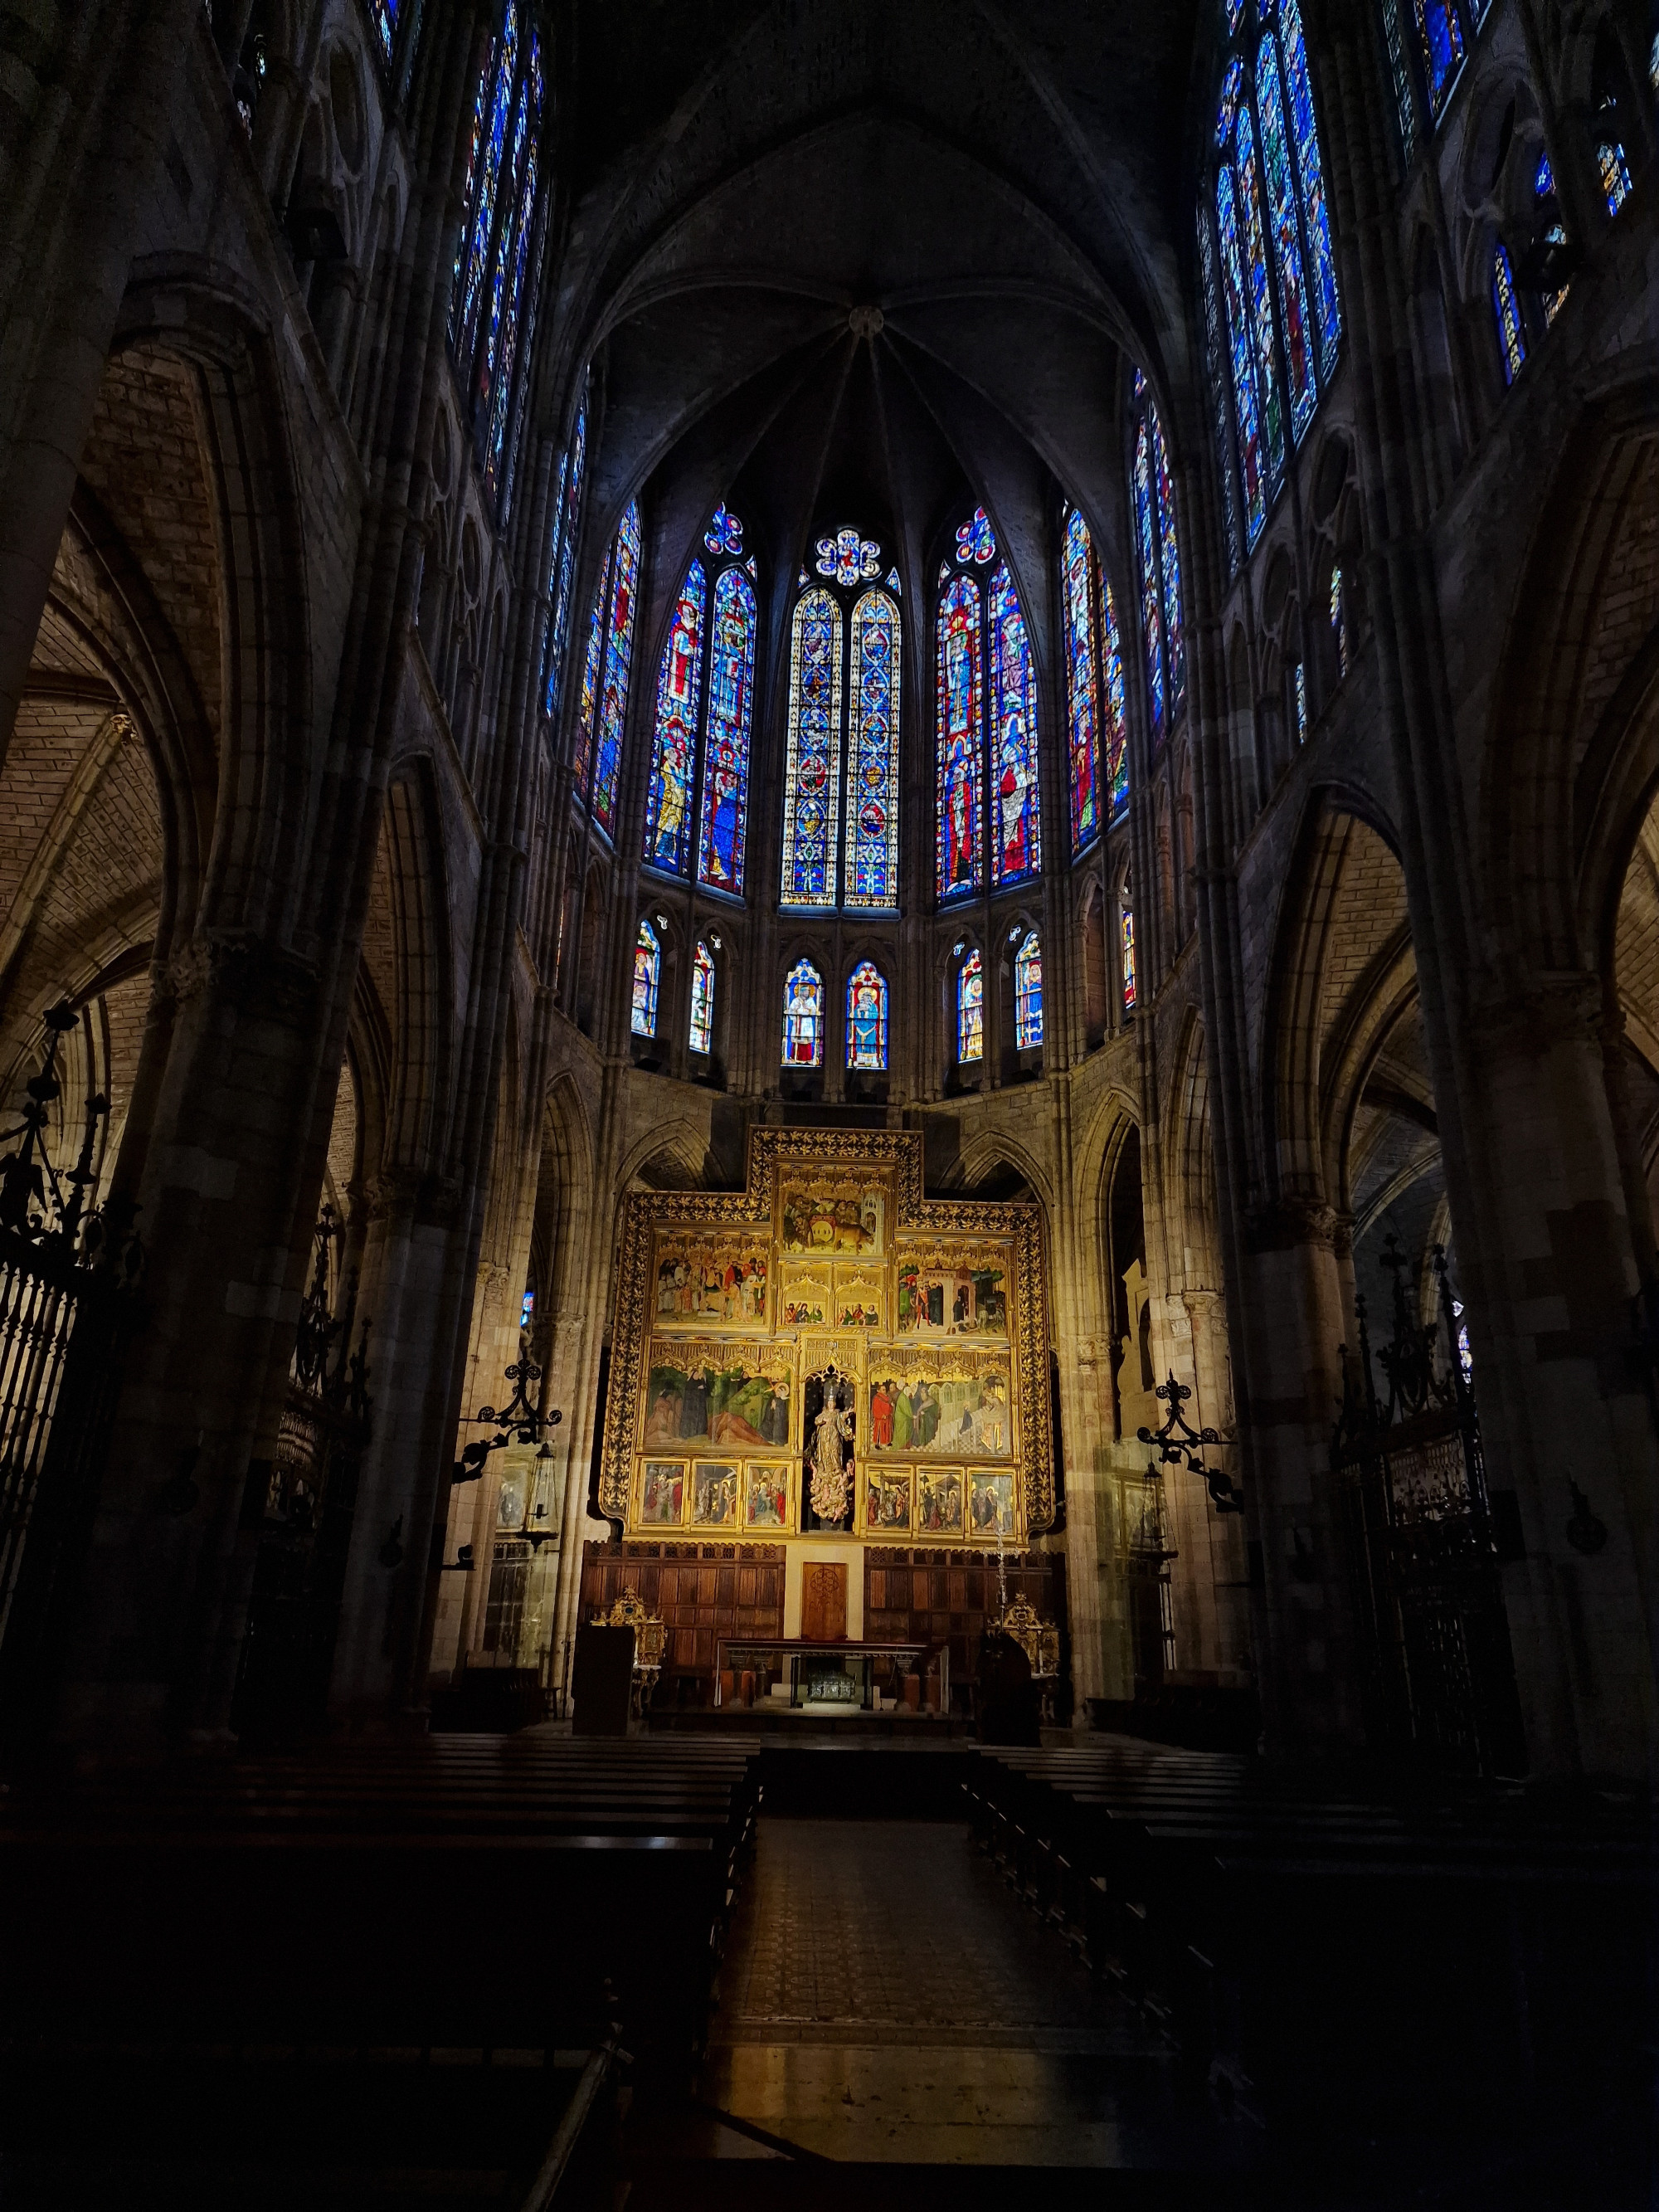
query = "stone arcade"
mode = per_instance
[{"x": 830, "y": 828}]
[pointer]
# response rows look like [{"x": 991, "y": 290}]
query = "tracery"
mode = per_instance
[{"x": 705, "y": 747}]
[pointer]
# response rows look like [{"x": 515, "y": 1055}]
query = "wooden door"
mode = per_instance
[{"x": 823, "y": 1602}]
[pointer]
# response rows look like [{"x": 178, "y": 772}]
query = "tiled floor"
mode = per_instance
[{"x": 885, "y": 1997}]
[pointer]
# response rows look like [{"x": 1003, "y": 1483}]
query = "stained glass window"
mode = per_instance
[
  {"x": 1268, "y": 271},
  {"x": 588, "y": 713},
  {"x": 803, "y": 1017},
  {"x": 1028, "y": 994},
  {"x": 1258, "y": 293},
  {"x": 872, "y": 799},
  {"x": 1310, "y": 170},
  {"x": 1016, "y": 809},
  {"x": 1543, "y": 189},
  {"x": 492, "y": 310},
  {"x": 725, "y": 748},
  {"x": 1506, "y": 310},
  {"x": 1441, "y": 48},
  {"x": 815, "y": 872},
  {"x": 1118, "y": 725},
  {"x": 1405, "y": 107},
  {"x": 1287, "y": 243},
  {"x": 970, "y": 1009},
  {"x": 1127, "y": 939},
  {"x": 648, "y": 975},
  {"x": 674, "y": 759},
  {"x": 1299, "y": 691},
  {"x": 725, "y": 534},
  {"x": 1151, "y": 621},
  {"x": 1082, "y": 703},
  {"x": 481, "y": 224},
  {"x": 866, "y": 1018},
  {"x": 1340, "y": 621},
  {"x": 1169, "y": 553},
  {"x": 1217, "y": 391},
  {"x": 849, "y": 558},
  {"x": 702, "y": 1000},
  {"x": 1653, "y": 62},
  {"x": 385, "y": 13},
  {"x": 811, "y": 818},
  {"x": 623, "y": 605},
  {"x": 961, "y": 721},
  {"x": 561, "y": 573},
  {"x": 1252, "y": 461},
  {"x": 975, "y": 540},
  {"x": 1615, "y": 174}
]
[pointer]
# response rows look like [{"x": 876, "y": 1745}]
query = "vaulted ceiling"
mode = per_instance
[{"x": 858, "y": 259}]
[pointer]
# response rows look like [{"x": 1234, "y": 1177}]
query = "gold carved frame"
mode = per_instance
[{"x": 893, "y": 1158}]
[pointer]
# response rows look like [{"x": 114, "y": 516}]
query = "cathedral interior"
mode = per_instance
[{"x": 829, "y": 1043}]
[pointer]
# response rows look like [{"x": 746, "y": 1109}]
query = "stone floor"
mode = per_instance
[{"x": 885, "y": 1999}]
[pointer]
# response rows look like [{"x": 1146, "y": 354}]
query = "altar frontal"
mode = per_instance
[{"x": 826, "y": 1352}]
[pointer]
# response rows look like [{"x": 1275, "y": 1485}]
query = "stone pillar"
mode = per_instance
[
  {"x": 415, "y": 1272},
  {"x": 1565, "y": 1393},
  {"x": 1292, "y": 1323}
]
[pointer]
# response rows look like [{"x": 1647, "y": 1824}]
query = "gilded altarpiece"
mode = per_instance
[{"x": 828, "y": 1352}]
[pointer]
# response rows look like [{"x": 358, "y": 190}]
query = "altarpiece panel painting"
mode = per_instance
[{"x": 828, "y": 1352}]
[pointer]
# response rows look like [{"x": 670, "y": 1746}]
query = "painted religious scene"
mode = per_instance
[{"x": 827, "y": 1354}]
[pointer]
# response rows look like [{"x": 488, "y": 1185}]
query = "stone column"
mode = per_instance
[
  {"x": 1292, "y": 1323},
  {"x": 1565, "y": 1385}
]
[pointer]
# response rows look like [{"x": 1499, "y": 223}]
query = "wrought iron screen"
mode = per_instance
[{"x": 1434, "y": 1635}]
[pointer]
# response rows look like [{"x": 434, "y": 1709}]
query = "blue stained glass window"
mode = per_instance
[
  {"x": 849, "y": 557},
  {"x": 1311, "y": 169},
  {"x": 1287, "y": 243},
  {"x": 961, "y": 744},
  {"x": 1440, "y": 43},
  {"x": 1246, "y": 396},
  {"x": 1614, "y": 173},
  {"x": 894, "y": 585},
  {"x": 1118, "y": 725},
  {"x": 385, "y": 13},
  {"x": 1028, "y": 994},
  {"x": 483, "y": 224},
  {"x": 812, "y": 778},
  {"x": 1016, "y": 812},
  {"x": 674, "y": 762},
  {"x": 569, "y": 509},
  {"x": 502, "y": 259},
  {"x": 803, "y": 1017},
  {"x": 1238, "y": 12},
  {"x": 1151, "y": 622},
  {"x": 506, "y": 340},
  {"x": 872, "y": 801},
  {"x": 724, "y": 832},
  {"x": 703, "y": 1001},
  {"x": 1169, "y": 547},
  {"x": 1506, "y": 309},
  {"x": 588, "y": 716},
  {"x": 866, "y": 1018},
  {"x": 647, "y": 977},
  {"x": 475, "y": 147},
  {"x": 975, "y": 540},
  {"x": 1340, "y": 621},
  {"x": 1217, "y": 391},
  {"x": 1299, "y": 683},
  {"x": 1082, "y": 707},
  {"x": 970, "y": 1009},
  {"x": 1226, "y": 114},
  {"x": 725, "y": 534},
  {"x": 1260, "y": 296},
  {"x": 618, "y": 656}
]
